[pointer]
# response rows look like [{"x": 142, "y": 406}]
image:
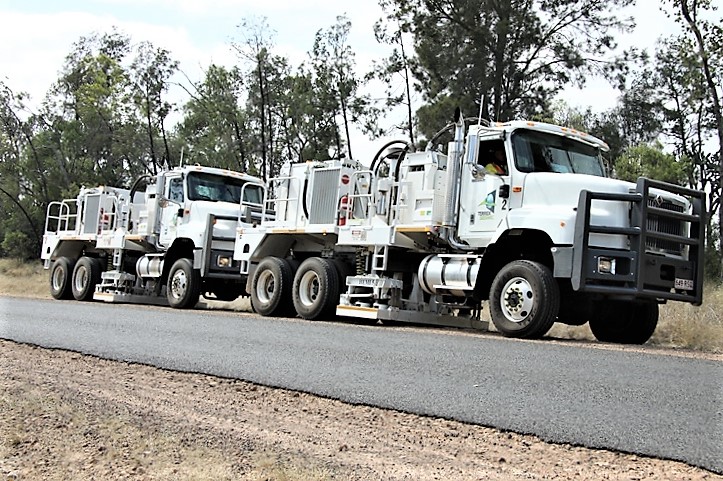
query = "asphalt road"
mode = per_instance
[{"x": 650, "y": 404}]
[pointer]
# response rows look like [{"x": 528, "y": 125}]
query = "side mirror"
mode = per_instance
[
  {"x": 478, "y": 172},
  {"x": 180, "y": 211}
]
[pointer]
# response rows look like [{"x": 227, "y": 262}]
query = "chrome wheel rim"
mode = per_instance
[
  {"x": 265, "y": 286},
  {"x": 58, "y": 278},
  {"x": 309, "y": 287},
  {"x": 81, "y": 278},
  {"x": 517, "y": 299},
  {"x": 179, "y": 282}
]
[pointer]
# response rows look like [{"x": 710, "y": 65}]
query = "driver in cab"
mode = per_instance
[{"x": 498, "y": 163}]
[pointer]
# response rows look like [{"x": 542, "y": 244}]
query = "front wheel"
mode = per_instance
[
  {"x": 316, "y": 288},
  {"x": 624, "y": 322},
  {"x": 184, "y": 285},
  {"x": 524, "y": 300}
]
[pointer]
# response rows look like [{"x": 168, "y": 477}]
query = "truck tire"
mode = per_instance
[
  {"x": 86, "y": 276},
  {"x": 61, "y": 275},
  {"x": 524, "y": 300},
  {"x": 271, "y": 287},
  {"x": 184, "y": 285},
  {"x": 316, "y": 288},
  {"x": 624, "y": 322}
]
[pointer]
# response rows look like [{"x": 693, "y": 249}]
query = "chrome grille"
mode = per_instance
[{"x": 665, "y": 225}]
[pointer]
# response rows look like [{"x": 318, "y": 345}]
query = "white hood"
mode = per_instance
[{"x": 549, "y": 203}]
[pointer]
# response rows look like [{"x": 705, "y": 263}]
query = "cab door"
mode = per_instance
[
  {"x": 483, "y": 195},
  {"x": 171, "y": 208}
]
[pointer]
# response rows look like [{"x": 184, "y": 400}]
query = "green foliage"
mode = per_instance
[
  {"x": 214, "y": 130},
  {"x": 15, "y": 245},
  {"x": 333, "y": 62},
  {"x": 713, "y": 258},
  {"x": 395, "y": 68},
  {"x": 649, "y": 160},
  {"x": 688, "y": 72},
  {"x": 149, "y": 75},
  {"x": 514, "y": 55}
]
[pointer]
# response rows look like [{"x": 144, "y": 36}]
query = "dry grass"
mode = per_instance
[
  {"x": 681, "y": 325},
  {"x": 699, "y": 328},
  {"x": 24, "y": 279},
  {"x": 269, "y": 467}
]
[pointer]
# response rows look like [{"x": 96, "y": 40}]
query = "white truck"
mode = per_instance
[
  {"x": 427, "y": 237},
  {"x": 166, "y": 240}
]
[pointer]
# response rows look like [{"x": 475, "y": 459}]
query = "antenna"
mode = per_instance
[{"x": 180, "y": 162}]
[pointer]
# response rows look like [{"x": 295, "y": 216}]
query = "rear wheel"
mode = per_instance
[
  {"x": 184, "y": 285},
  {"x": 271, "y": 287},
  {"x": 61, "y": 278},
  {"x": 316, "y": 288},
  {"x": 624, "y": 322},
  {"x": 86, "y": 276},
  {"x": 524, "y": 300}
]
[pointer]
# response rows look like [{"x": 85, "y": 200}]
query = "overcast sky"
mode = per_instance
[{"x": 36, "y": 35}]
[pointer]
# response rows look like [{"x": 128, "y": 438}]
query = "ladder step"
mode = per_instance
[{"x": 380, "y": 258}]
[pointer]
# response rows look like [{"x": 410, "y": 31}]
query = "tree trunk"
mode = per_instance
[
  {"x": 502, "y": 30},
  {"x": 410, "y": 124},
  {"x": 165, "y": 144},
  {"x": 342, "y": 103},
  {"x": 262, "y": 92},
  {"x": 38, "y": 238},
  {"x": 240, "y": 146},
  {"x": 149, "y": 121}
]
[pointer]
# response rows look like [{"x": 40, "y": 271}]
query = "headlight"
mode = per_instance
[{"x": 606, "y": 265}]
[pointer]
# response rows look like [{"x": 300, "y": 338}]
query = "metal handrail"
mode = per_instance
[
  {"x": 63, "y": 217},
  {"x": 275, "y": 181},
  {"x": 353, "y": 197}
]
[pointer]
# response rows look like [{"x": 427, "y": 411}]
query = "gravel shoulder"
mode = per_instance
[{"x": 72, "y": 416}]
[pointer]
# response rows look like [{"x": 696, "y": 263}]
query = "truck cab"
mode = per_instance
[{"x": 613, "y": 247}]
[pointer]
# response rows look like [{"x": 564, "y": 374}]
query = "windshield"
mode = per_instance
[
  {"x": 202, "y": 186},
  {"x": 541, "y": 152}
]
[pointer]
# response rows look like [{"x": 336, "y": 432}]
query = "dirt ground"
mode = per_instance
[{"x": 65, "y": 415}]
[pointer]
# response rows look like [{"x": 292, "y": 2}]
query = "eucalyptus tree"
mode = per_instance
[
  {"x": 24, "y": 184},
  {"x": 214, "y": 130},
  {"x": 395, "y": 68},
  {"x": 505, "y": 58},
  {"x": 84, "y": 110},
  {"x": 149, "y": 76},
  {"x": 332, "y": 60},
  {"x": 650, "y": 160},
  {"x": 310, "y": 130},
  {"x": 688, "y": 72},
  {"x": 254, "y": 47}
]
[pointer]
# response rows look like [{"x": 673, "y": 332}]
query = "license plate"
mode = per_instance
[{"x": 684, "y": 284}]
